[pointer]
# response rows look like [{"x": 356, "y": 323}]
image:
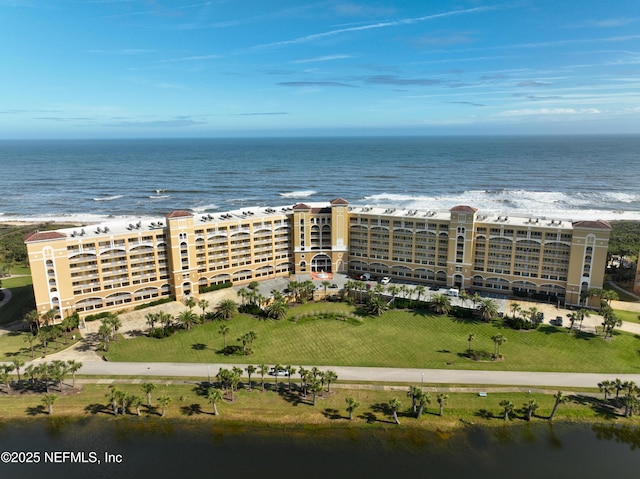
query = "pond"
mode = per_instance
[{"x": 73, "y": 448}]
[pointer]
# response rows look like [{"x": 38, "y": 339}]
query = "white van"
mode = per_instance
[{"x": 455, "y": 292}]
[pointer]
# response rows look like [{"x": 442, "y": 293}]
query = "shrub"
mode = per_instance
[
  {"x": 215, "y": 287},
  {"x": 154, "y": 303},
  {"x": 95, "y": 317}
]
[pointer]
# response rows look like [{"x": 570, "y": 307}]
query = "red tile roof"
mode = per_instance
[
  {"x": 43, "y": 236},
  {"x": 301, "y": 206},
  {"x": 598, "y": 224},
  {"x": 464, "y": 209},
  {"x": 339, "y": 201},
  {"x": 178, "y": 214}
]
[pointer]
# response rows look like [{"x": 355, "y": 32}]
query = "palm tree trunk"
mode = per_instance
[{"x": 395, "y": 416}]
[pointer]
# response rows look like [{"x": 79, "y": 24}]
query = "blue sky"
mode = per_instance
[{"x": 160, "y": 68}]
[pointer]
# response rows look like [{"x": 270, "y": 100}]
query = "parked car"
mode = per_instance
[
  {"x": 558, "y": 321},
  {"x": 282, "y": 372},
  {"x": 385, "y": 280}
]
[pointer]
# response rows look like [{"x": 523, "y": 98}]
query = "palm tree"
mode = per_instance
[
  {"x": 328, "y": 377},
  {"x": 441, "y": 303},
  {"x": 123, "y": 397},
  {"x": 419, "y": 290},
  {"x": 165, "y": 319},
  {"x": 73, "y": 367},
  {"x": 203, "y": 304},
  {"x": 352, "y": 405},
  {"x": 618, "y": 386},
  {"x": 464, "y": 297},
  {"x": 164, "y": 403},
  {"x": 470, "y": 339},
  {"x": 530, "y": 407},
  {"x": 291, "y": 370},
  {"x": 276, "y": 370},
  {"x": 32, "y": 318},
  {"x": 507, "y": 408},
  {"x": 488, "y": 308},
  {"x": 315, "y": 387},
  {"x": 17, "y": 364},
  {"x": 148, "y": 388},
  {"x": 136, "y": 402},
  {"x": 113, "y": 395},
  {"x": 573, "y": 317},
  {"x": 277, "y": 309},
  {"x": 442, "y": 400},
  {"x": 560, "y": 398},
  {"x": 414, "y": 393},
  {"x": 224, "y": 331},
  {"x": 30, "y": 338},
  {"x": 376, "y": 305},
  {"x": 583, "y": 313},
  {"x": 262, "y": 370},
  {"x": 609, "y": 295},
  {"x": 226, "y": 309},
  {"x": 190, "y": 303},
  {"x": 394, "y": 404},
  {"x": 393, "y": 290},
  {"x": 242, "y": 292},
  {"x": 423, "y": 399},
  {"x": 303, "y": 378},
  {"x": 498, "y": 340},
  {"x": 48, "y": 400},
  {"x": 515, "y": 309},
  {"x": 214, "y": 396},
  {"x": 325, "y": 285},
  {"x": 250, "y": 369},
  {"x": 151, "y": 318},
  {"x": 606, "y": 387},
  {"x": 187, "y": 318},
  {"x": 476, "y": 299}
]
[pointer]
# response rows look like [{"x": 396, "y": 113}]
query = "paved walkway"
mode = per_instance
[{"x": 202, "y": 371}]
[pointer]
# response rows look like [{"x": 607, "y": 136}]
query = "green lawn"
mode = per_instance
[
  {"x": 628, "y": 316},
  {"x": 22, "y": 299},
  {"x": 14, "y": 346},
  {"x": 396, "y": 339}
]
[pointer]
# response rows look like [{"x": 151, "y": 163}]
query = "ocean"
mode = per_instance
[{"x": 565, "y": 177}]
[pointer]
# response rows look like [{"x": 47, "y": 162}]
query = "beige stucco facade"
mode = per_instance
[{"x": 116, "y": 265}]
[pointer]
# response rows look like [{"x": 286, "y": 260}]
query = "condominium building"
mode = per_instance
[{"x": 116, "y": 265}]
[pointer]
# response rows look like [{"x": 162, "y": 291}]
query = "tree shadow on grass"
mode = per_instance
[
  {"x": 369, "y": 417},
  {"x": 333, "y": 414},
  {"x": 191, "y": 410},
  {"x": 198, "y": 347},
  {"x": 385, "y": 410},
  {"x": 96, "y": 408},
  {"x": 230, "y": 350},
  {"x": 584, "y": 335},
  {"x": 484, "y": 414},
  {"x": 36, "y": 410},
  {"x": 548, "y": 329},
  {"x": 295, "y": 398},
  {"x": 603, "y": 410}
]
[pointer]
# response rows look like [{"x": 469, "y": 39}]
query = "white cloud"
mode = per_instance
[{"x": 550, "y": 111}]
